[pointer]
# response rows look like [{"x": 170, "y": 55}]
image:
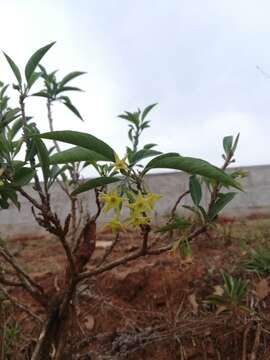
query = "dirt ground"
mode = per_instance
[{"x": 156, "y": 307}]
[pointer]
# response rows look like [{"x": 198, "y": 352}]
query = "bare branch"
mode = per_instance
[
  {"x": 109, "y": 250},
  {"x": 19, "y": 305}
]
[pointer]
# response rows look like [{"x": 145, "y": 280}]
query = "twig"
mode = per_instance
[
  {"x": 38, "y": 294},
  {"x": 178, "y": 202},
  {"x": 244, "y": 352},
  {"x": 19, "y": 305},
  {"x": 256, "y": 342},
  {"x": 109, "y": 250}
]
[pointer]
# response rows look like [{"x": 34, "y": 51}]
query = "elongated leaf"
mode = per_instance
[
  {"x": 143, "y": 154},
  {"x": 195, "y": 190},
  {"x": 178, "y": 223},
  {"x": 94, "y": 183},
  {"x": 192, "y": 166},
  {"x": 220, "y": 204},
  {"x": 84, "y": 140},
  {"x": 16, "y": 126},
  {"x": 159, "y": 159},
  {"x": 227, "y": 144},
  {"x": 3, "y": 90},
  {"x": 35, "y": 59},
  {"x": 14, "y": 68},
  {"x": 43, "y": 157},
  {"x": 33, "y": 79},
  {"x": 23, "y": 176},
  {"x": 71, "y": 76},
  {"x": 76, "y": 154},
  {"x": 72, "y": 108},
  {"x": 41, "y": 94},
  {"x": 149, "y": 146},
  {"x": 235, "y": 143},
  {"x": 147, "y": 110},
  {"x": 68, "y": 88}
]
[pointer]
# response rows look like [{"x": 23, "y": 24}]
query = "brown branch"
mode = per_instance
[
  {"x": 30, "y": 199},
  {"x": 98, "y": 204},
  {"x": 145, "y": 230},
  {"x": 19, "y": 305},
  {"x": 9, "y": 282},
  {"x": 109, "y": 250},
  {"x": 168, "y": 247},
  {"x": 178, "y": 202},
  {"x": 256, "y": 344},
  {"x": 28, "y": 283},
  {"x": 121, "y": 261}
]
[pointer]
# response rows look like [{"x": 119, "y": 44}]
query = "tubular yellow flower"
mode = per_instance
[
  {"x": 141, "y": 204},
  {"x": 152, "y": 198},
  {"x": 111, "y": 200},
  {"x": 120, "y": 164},
  {"x": 136, "y": 219},
  {"x": 115, "y": 225}
]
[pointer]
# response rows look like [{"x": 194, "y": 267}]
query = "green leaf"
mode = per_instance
[
  {"x": 156, "y": 161},
  {"x": 33, "y": 79},
  {"x": 3, "y": 90},
  {"x": 43, "y": 157},
  {"x": 35, "y": 59},
  {"x": 192, "y": 166},
  {"x": 72, "y": 108},
  {"x": 70, "y": 76},
  {"x": 235, "y": 143},
  {"x": 84, "y": 140},
  {"x": 195, "y": 190},
  {"x": 94, "y": 183},
  {"x": 178, "y": 223},
  {"x": 223, "y": 200},
  {"x": 16, "y": 126},
  {"x": 76, "y": 154},
  {"x": 227, "y": 144},
  {"x": 55, "y": 171},
  {"x": 67, "y": 88},
  {"x": 149, "y": 146},
  {"x": 142, "y": 154},
  {"x": 14, "y": 68},
  {"x": 147, "y": 110},
  {"x": 41, "y": 94},
  {"x": 23, "y": 176}
]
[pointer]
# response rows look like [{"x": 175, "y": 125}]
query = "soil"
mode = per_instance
[{"x": 155, "y": 307}]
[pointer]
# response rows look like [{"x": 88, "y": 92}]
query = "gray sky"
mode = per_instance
[{"x": 197, "y": 59}]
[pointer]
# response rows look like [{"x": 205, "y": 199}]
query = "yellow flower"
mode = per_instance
[
  {"x": 120, "y": 164},
  {"x": 115, "y": 225},
  {"x": 152, "y": 198},
  {"x": 137, "y": 219},
  {"x": 111, "y": 200},
  {"x": 141, "y": 204}
]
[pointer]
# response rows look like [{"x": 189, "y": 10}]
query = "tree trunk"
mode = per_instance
[
  {"x": 52, "y": 339},
  {"x": 54, "y": 334}
]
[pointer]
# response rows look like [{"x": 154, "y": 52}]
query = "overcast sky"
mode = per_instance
[{"x": 197, "y": 59}]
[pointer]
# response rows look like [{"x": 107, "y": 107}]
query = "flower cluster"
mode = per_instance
[{"x": 138, "y": 207}]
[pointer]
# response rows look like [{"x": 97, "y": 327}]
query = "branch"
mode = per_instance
[
  {"x": 178, "y": 202},
  {"x": 109, "y": 250},
  {"x": 24, "y": 277},
  {"x": 19, "y": 305}
]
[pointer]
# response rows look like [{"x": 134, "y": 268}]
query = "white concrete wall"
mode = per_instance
[{"x": 256, "y": 198}]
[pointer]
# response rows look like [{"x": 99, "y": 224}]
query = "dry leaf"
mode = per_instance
[
  {"x": 194, "y": 304},
  {"x": 262, "y": 289}
]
